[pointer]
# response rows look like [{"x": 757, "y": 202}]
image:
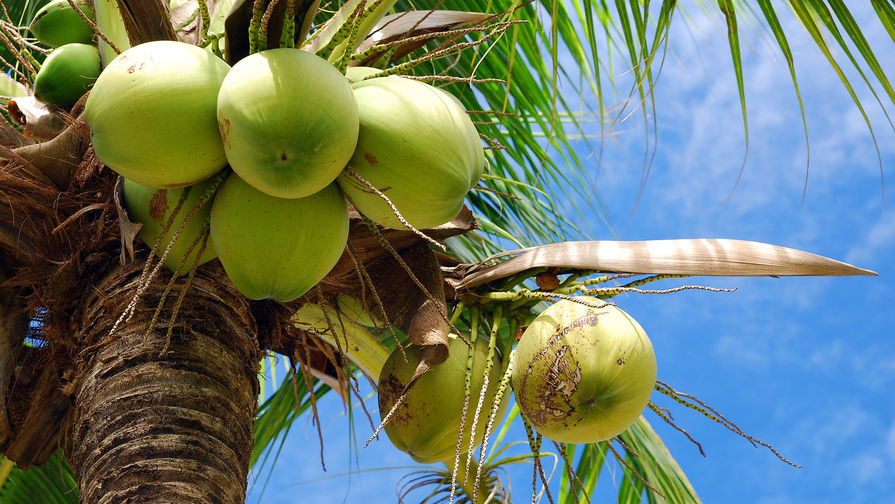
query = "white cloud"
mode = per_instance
[{"x": 878, "y": 244}]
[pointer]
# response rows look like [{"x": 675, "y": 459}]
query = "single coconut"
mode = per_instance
[
  {"x": 583, "y": 374},
  {"x": 153, "y": 207},
  {"x": 152, "y": 114},
  {"x": 427, "y": 425},
  {"x": 57, "y": 23},
  {"x": 288, "y": 120},
  {"x": 66, "y": 74},
  {"x": 274, "y": 247},
  {"x": 418, "y": 146}
]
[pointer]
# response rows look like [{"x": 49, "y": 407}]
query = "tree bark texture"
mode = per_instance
[{"x": 162, "y": 417}]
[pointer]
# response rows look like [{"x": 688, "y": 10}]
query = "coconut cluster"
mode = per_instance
[
  {"x": 285, "y": 138},
  {"x": 72, "y": 67}
]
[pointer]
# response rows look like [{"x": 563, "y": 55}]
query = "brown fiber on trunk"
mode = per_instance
[{"x": 159, "y": 419}]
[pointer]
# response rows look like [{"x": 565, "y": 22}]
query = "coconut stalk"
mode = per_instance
[
  {"x": 164, "y": 413},
  {"x": 111, "y": 24}
]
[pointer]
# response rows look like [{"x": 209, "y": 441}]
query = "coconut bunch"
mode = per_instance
[
  {"x": 256, "y": 164},
  {"x": 74, "y": 64}
]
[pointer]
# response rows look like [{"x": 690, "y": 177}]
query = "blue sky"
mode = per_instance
[{"x": 806, "y": 364}]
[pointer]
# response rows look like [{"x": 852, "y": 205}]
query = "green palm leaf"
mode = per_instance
[{"x": 51, "y": 483}]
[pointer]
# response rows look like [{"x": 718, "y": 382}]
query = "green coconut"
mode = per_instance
[
  {"x": 152, "y": 114},
  {"x": 66, "y": 74},
  {"x": 583, "y": 374},
  {"x": 418, "y": 146},
  {"x": 288, "y": 120},
  {"x": 273, "y": 247},
  {"x": 57, "y": 23},
  {"x": 153, "y": 207},
  {"x": 427, "y": 425}
]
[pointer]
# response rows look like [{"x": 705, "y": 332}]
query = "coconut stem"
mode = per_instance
[
  {"x": 534, "y": 442},
  {"x": 477, "y": 495},
  {"x": 486, "y": 383},
  {"x": 467, "y": 382}
]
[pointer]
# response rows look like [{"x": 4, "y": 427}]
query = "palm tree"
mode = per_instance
[{"x": 149, "y": 388}]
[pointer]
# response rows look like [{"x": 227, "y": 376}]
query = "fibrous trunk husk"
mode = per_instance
[
  {"x": 159, "y": 417},
  {"x": 421, "y": 315}
]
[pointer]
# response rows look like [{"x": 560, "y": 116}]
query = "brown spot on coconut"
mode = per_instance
[
  {"x": 431, "y": 173},
  {"x": 129, "y": 114},
  {"x": 583, "y": 374},
  {"x": 427, "y": 425}
]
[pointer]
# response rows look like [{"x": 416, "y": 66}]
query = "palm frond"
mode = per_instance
[{"x": 51, "y": 483}]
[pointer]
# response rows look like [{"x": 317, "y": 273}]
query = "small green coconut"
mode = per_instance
[
  {"x": 57, "y": 23},
  {"x": 427, "y": 425},
  {"x": 152, "y": 114},
  {"x": 153, "y": 207},
  {"x": 288, "y": 120},
  {"x": 418, "y": 146},
  {"x": 583, "y": 374},
  {"x": 66, "y": 74},
  {"x": 273, "y": 247}
]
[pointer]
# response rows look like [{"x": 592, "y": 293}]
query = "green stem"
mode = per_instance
[
  {"x": 5, "y": 468},
  {"x": 467, "y": 483}
]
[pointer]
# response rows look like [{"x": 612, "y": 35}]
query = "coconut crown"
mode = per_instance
[
  {"x": 418, "y": 146},
  {"x": 427, "y": 425},
  {"x": 57, "y": 24},
  {"x": 152, "y": 114},
  {"x": 606, "y": 371}
]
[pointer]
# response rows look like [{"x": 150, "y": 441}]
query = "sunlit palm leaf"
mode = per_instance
[
  {"x": 710, "y": 257},
  {"x": 653, "y": 463}
]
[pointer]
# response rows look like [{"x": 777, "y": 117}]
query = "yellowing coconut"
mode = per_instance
[
  {"x": 288, "y": 120},
  {"x": 583, "y": 374},
  {"x": 153, "y": 207},
  {"x": 274, "y": 247},
  {"x": 57, "y": 23},
  {"x": 67, "y": 74},
  {"x": 427, "y": 425},
  {"x": 152, "y": 114},
  {"x": 418, "y": 146}
]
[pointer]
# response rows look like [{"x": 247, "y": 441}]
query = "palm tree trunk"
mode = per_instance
[{"x": 162, "y": 417}]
